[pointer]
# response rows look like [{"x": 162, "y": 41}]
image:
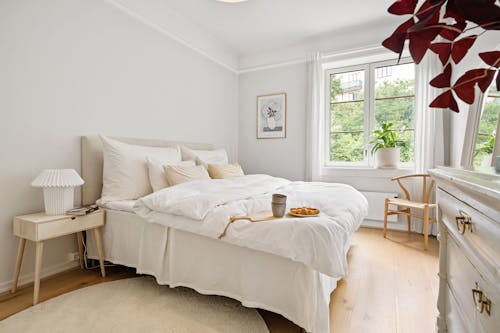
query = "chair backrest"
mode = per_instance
[{"x": 426, "y": 188}]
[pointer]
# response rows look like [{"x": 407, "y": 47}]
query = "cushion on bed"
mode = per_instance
[
  {"x": 177, "y": 174},
  {"x": 125, "y": 171},
  {"x": 156, "y": 171},
  {"x": 205, "y": 157},
  {"x": 221, "y": 171}
]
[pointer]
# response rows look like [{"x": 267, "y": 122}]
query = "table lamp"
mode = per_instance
[{"x": 58, "y": 189}]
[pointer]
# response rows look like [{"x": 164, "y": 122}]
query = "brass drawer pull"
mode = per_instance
[
  {"x": 464, "y": 222},
  {"x": 481, "y": 302}
]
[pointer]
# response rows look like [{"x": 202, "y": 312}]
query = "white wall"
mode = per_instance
[
  {"x": 71, "y": 68},
  {"x": 278, "y": 157}
]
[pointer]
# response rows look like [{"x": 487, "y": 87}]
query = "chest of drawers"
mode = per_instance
[{"x": 469, "y": 252}]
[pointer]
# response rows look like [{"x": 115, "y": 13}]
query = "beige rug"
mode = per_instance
[{"x": 136, "y": 305}]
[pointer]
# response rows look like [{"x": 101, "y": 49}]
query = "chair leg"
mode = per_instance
[
  {"x": 408, "y": 218},
  {"x": 386, "y": 209},
  {"x": 426, "y": 227}
]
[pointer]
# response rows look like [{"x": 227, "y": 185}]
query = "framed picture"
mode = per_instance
[{"x": 271, "y": 116}]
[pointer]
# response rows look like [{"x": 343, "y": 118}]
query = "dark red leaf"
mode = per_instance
[
  {"x": 498, "y": 81},
  {"x": 429, "y": 7},
  {"x": 461, "y": 47},
  {"x": 485, "y": 83},
  {"x": 442, "y": 80},
  {"x": 492, "y": 58},
  {"x": 444, "y": 101},
  {"x": 396, "y": 41},
  {"x": 453, "y": 12},
  {"x": 464, "y": 86},
  {"x": 420, "y": 42},
  {"x": 403, "y": 7},
  {"x": 485, "y": 13},
  {"x": 452, "y": 31},
  {"x": 466, "y": 92},
  {"x": 443, "y": 50}
]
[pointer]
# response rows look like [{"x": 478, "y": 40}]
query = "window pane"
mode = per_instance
[
  {"x": 396, "y": 80},
  {"x": 487, "y": 130},
  {"x": 347, "y": 147},
  {"x": 395, "y": 103},
  {"x": 348, "y": 86},
  {"x": 347, "y": 118}
]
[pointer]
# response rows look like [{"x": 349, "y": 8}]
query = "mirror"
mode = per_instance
[
  {"x": 481, "y": 146},
  {"x": 484, "y": 149}
]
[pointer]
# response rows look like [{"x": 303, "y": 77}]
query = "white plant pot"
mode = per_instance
[
  {"x": 58, "y": 200},
  {"x": 387, "y": 158}
]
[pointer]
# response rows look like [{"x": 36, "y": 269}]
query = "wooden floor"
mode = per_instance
[{"x": 392, "y": 286}]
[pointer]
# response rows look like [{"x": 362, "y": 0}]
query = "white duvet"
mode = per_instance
[{"x": 205, "y": 207}]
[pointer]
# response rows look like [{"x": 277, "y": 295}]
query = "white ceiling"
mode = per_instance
[{"x": 260, "y": 25}]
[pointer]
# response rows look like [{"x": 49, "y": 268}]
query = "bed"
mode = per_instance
[{"x": 210, "y": 266}]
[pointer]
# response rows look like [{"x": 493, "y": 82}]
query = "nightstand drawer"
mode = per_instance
[{"x": 46, "y": 227}]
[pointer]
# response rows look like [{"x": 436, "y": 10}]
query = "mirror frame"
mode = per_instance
[{"x": 472, "y": 127}]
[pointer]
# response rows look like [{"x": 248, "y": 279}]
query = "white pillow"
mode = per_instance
[
  {"x": 177, "y": 174},
  {"x": 205, "y": 157},
  {"x": 125, "y": 172},
  {"x": 156, "y": 171}
]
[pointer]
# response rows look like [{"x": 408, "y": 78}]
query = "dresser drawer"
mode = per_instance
[
  {"x": 454, "y": 317},
  {"x": 463, "y": 277},
  {"x": 481, "y": 234}
]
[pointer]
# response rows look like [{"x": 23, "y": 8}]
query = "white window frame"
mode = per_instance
[{"x": 369, "y": 113}]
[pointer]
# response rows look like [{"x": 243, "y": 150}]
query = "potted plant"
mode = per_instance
[{"x": 386, "y": 147}]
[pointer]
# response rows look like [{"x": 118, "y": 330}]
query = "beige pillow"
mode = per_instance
[
  {"x": 221, "y": 171},
  {"x": 156, "y": 170},
  {"x": 177, "y": 174}
]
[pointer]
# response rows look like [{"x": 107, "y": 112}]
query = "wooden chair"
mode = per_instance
[{"x": 407, "y": 204}]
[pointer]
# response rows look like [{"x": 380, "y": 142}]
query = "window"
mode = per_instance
[
  {"x": 487, "y": 129},
  {"x": 360, "y": 99}
]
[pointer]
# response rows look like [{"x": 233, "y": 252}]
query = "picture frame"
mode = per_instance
[{"x": 271, "y": 116}]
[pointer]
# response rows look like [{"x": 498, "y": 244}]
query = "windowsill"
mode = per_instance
[{"x": 329, "y": 172}]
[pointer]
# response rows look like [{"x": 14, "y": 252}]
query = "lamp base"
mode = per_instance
[{"x": 58, "y": 200}]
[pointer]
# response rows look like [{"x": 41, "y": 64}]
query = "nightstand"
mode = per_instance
[{"x": 40, "y": 227}]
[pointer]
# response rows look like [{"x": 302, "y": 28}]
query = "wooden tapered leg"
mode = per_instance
[
  {"x": 426, "y": 227},
  {"x": 386, "y": 208},
  {"x": 98, "y": 241},
  {"x": 79, "y": 237},
  {"x": 38, "y": 268},
  {"x": 19, "y": 261},
  {"x": 408, "y": 218}
]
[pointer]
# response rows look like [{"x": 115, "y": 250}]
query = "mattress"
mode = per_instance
[{"x": 180, "y": 258}]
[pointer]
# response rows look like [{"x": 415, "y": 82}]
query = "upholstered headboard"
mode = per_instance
[{"x": 92, "y": 161}]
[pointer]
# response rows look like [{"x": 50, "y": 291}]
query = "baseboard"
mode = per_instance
[
  {"x": 47, "y": 271},
  {"x": 380, "y": 225}
]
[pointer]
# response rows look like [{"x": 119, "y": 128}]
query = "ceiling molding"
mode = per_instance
[{"x": 167, "y": 32}]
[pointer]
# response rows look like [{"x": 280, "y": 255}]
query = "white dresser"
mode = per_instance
[{"x": 469, "y": 250}]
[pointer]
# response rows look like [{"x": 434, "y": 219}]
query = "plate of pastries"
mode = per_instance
[{"x": 304, "y": 212}]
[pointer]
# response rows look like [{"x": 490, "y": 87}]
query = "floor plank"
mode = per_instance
[{"x": 392, "y": 286}]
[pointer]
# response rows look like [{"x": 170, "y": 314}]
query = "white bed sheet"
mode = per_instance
[{"x": 180, "y": 258}]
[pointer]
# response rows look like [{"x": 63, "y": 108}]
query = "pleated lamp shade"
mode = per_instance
[{"x": 58, "y": 189}]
